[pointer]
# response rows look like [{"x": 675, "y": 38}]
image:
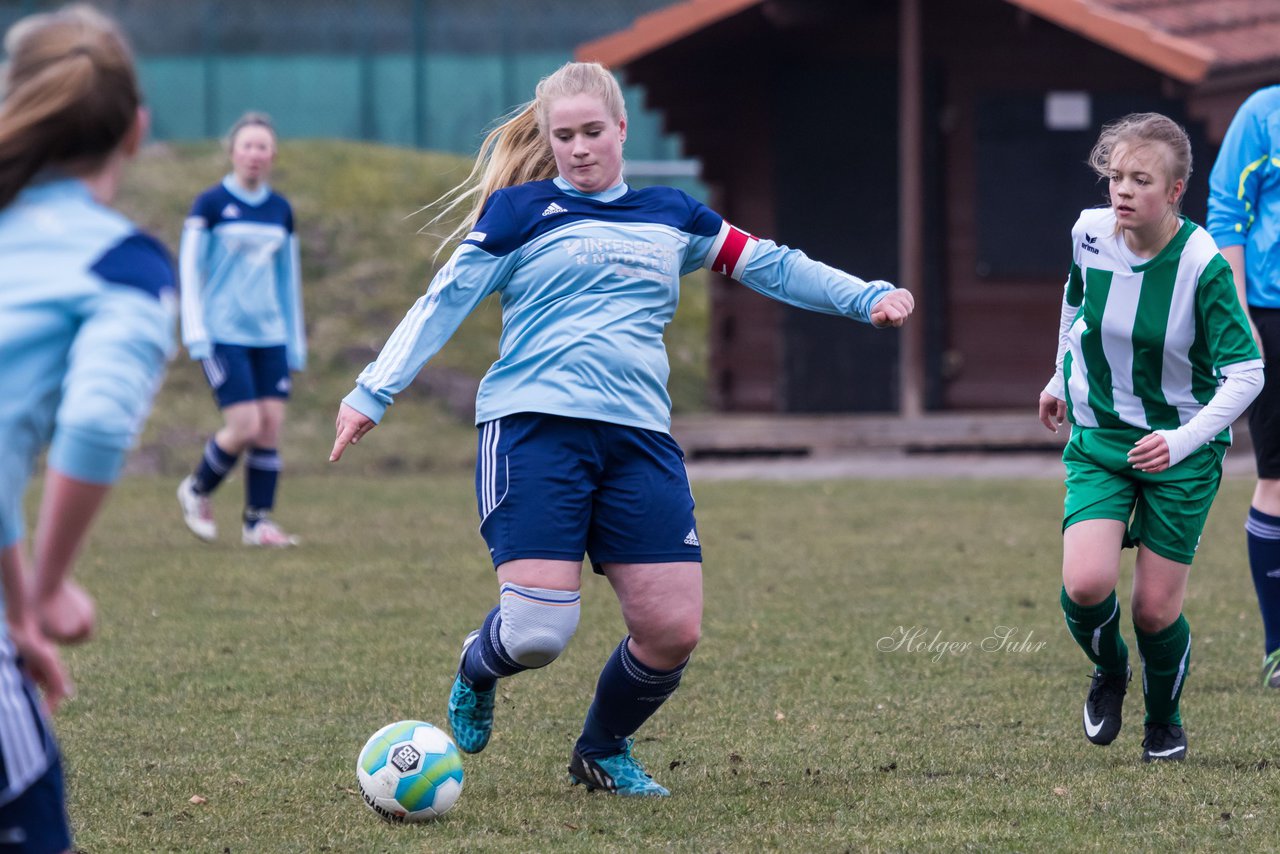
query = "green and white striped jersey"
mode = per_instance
[{"x": 1152, "y": 338}]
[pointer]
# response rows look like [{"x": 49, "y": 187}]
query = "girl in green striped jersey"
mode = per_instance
[{"x": 1155, "y": 362}]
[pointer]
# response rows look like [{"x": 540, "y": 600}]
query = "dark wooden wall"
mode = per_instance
[{"x": 791, "y": 107}]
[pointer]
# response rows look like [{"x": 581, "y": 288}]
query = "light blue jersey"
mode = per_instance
[
  {"x": 87, "y": 309},
  {"x": 1244, "y": 194},
  {"x": 588, "y": 284},
  {"x": 86, "y": 325},
  {"x": 241, "y": 281}
]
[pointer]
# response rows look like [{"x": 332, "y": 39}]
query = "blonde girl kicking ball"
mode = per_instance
[{"x": 1155, "y": 362}]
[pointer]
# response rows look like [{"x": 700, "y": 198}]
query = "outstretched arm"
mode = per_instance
[
  {"x": 470, "y": 275},
  {"x": 790, "y": 276}
]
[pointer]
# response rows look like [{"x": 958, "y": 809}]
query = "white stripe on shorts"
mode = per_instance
[
  {"x": 486, "y": 466},
  {"x": 489, "y": 499},
  {"x": 24, "y": 752},
  {"x": 213, "y": 371}
]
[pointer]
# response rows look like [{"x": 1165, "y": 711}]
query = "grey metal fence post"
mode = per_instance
[
  {"x": 209, "y": 50},
  {"x": 420, "y": 73}
]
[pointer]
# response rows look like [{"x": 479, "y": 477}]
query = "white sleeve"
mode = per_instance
[
  {"x": 1057, "y": 385},
  {"x": 195, "y": 238},
  {"x": 289, "y": 281},
  {"x": 1242, "y": 383}
]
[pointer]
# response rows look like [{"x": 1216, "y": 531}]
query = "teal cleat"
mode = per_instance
[
  {"x": 1271, "y": 670},
  {"x": 470, "y": 710},
  {"x": 620, "y": 774}
]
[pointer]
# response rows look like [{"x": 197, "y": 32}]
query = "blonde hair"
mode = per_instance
[
  {"x": 70, "y": 95},
  {"x": 518, "y": 150},
  {"x": 1141, "y": 129},
  {"x": 253, "y": 118}
]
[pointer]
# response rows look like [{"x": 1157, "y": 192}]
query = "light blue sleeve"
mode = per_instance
[
  {"x": 114, "y": 368},
  {"x": 790, "y": 276},
  {"x": 1243, "y": 160},
  {"x": 192, "y": 260},
  {"x": 470, "y": 275},
  {"x": 787, "y": 275},
  {"x": 289, "y": 280}
]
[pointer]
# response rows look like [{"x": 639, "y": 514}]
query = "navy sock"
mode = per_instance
[
  {"x": 627, "y": 695},
  {"x": 1263, "y": 535},
  {"x": 214, "y": 466},
  {"x": 486, "y": 661},
  {"x": 262, "y": 473}
]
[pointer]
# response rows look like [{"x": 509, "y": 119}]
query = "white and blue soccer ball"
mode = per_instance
[{"x": 410, "y": 771}]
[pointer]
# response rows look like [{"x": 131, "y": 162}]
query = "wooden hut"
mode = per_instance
[{"x": 939, "y": 144}]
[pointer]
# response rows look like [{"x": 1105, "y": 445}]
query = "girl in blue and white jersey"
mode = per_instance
[
  {"x": 87, "y": 307},
  {"x": 242, "y": 320},
  {"x": 575, "y": 451}
]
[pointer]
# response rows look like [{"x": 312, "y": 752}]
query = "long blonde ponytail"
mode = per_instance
[{"x": 71, "y": 95}]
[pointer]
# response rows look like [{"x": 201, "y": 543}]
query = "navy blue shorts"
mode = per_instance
[
  {"x": 36, "y": 821},
  {"x": 555, "y": 488},
  {"x": 239, "y": 374}
]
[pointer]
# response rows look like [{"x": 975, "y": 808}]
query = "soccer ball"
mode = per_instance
[{"x": 410, "y": 771}]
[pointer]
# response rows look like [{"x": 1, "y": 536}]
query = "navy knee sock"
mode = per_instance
[
  {"x": 214, "y": 466},
  {"x": 627, "y": 694},
  {"x": 1263, "y": 535},
  {"x": 262, "y": 473},
  {"x": 486, "y": 660}
]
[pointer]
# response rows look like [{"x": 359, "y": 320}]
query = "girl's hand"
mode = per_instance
[
  {"x": 1053, "y": 411},
  {"x": 67, "y": 615},
  {"x": 42, "y": 663},
  {"x": 893, "y": 308},
  {"x": 1150, "y": 453},
  {"x": 351, "y": 425}
]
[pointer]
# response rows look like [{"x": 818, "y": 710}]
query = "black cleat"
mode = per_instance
[
  {"x": 1164, "y": 743},
  {"x": 1102, "y": 706}
]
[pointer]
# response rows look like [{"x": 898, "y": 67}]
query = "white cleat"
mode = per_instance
[
  {"x": 268, "y": 534},
  {"x": 197, "y": 510}
]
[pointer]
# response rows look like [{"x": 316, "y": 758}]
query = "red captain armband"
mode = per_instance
[{"x": 731, "y": 251}]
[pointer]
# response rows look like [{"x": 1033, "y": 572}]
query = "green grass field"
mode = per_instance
[
  {"x": 223, "y": 703},
  {"x": 251, "y": 680}
]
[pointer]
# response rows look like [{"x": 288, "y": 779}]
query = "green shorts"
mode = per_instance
[{"x": 1165, "y": 511}]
